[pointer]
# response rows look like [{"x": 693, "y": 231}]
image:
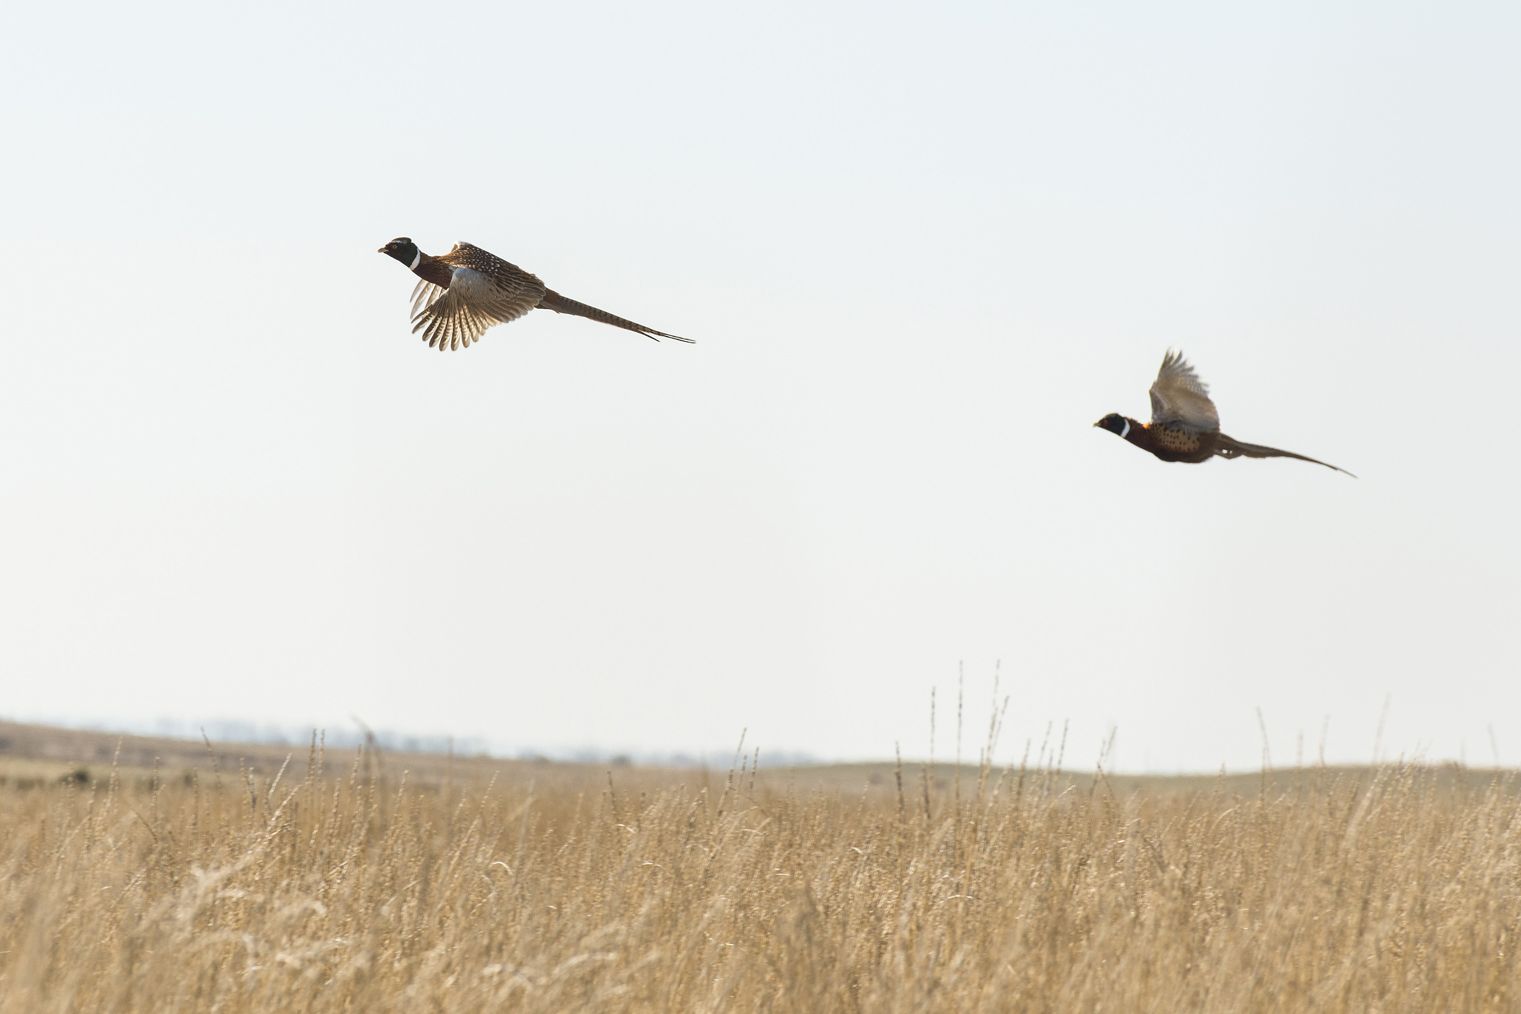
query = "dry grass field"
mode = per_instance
[{"x": 383, "y": 883}]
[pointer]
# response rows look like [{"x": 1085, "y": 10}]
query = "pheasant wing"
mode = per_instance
[
  {"x": 425, "y": 293},
  {"x": 1180, "y": 398},
  {"x": 483, "y": 292}
]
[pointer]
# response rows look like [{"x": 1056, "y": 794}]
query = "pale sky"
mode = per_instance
[{"x": 921, "y": 249}]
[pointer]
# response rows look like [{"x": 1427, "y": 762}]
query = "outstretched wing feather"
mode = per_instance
[
  {"x": 452, "y": 318},
  {"x": 1180, "y": 398}
]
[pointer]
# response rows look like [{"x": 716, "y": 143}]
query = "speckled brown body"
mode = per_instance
[
  {"x": 1171, "y": 443},
  {"x": 503, "y": 274}
]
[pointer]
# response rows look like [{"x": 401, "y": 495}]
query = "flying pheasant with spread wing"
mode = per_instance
[
  {"x": 468, "y": 290},
  {"x": 1184, "y": 424}
]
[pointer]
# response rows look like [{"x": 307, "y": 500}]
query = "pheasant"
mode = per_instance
[
  {"x": 468, "y": 290},
  {"x": 1184, "y": 424}
]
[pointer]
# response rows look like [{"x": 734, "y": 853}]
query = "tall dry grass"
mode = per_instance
[{"x": 563, "y": 890}]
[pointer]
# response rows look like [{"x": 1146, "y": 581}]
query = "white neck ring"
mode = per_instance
[{"x": 416, "y": 260}]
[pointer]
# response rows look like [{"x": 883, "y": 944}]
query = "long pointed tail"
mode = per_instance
[
  {"x": 560, "y": 304},
  {"x": 1228, "y": 447}
]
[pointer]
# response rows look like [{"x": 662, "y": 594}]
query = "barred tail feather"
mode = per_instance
[
  {"x": 1228, "y": 447},
  {"x": 560, "y": 304}
]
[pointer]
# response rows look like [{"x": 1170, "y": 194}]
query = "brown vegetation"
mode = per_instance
[{"x": 557, "y": 888}]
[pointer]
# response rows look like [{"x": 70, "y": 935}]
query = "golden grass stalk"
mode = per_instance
[{"x": 560, "y": 889}]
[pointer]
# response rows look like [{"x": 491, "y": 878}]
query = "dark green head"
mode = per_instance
[
  {"x": 1114, "y": 423},
  {"x": 404, "y": 250}
]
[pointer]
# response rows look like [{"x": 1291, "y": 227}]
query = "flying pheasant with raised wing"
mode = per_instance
[
  {"x": 1184, "y": 424},
  {"x": 468, "y": 290}
]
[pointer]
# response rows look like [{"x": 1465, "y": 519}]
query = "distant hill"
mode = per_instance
[{"x": 35, "y": 751}]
